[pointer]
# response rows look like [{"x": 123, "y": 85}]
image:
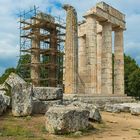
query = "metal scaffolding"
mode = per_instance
[{"x": 42, "y": 39}]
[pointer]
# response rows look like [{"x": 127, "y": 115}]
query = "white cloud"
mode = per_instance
[{"x": 9, "y": 32}]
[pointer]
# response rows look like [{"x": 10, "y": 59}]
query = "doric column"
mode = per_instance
[
  {"x": 106, "y": 72},
  {"x": 53, "y": 59},
  {"x": 118, "y": 62},
  {"x": 35, "y": 57},
  {"x": 82, "y": 64},
  {"x": 71, "y": 51},
  {"x": 91, "y": 43},
  {"x": 99, "y": 50}
]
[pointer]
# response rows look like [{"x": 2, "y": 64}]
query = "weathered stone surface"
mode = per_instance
[
  {"x": 14, "y": 79},
  {"x": 112, "y": 108},
  {"x": 40, "y": 107},
  {"x": 105, "y": 12},
  {"x": 4, "y": 87},
  {"x": 71, "y": 51},
  {"x": 135, "y": 110},
  {"x": 118, "y": 62},
  {"x": 62, "y": 119},
  {"x": 2, "y": 92},
  {"x": 98, "y": 100},
  {"x": 91, "y": 52},
  {"x": 4, "y": 102},
  {"x": 116, "y": 108},
  {"x": 3, "y": 106},
  {"x": 47, "y": 93},
  {"x": 106, "y": 64},
  {"x": 95, "y": 51},
  {"x": 22, "y": 99},
  {"x": 94, "y": 112}
]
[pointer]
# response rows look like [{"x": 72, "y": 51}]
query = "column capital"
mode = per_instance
[
  {"x": 82, "y": 36},
  {"x": 104, "y": 22},
  {"x": 117, "y": 29}
]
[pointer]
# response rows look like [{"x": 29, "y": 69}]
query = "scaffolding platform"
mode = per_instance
[{"x": 42, "y": 38}]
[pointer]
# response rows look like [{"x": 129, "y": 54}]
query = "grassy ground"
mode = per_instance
[
  {"x": 121, "y": 126},
  {"x": 25, "y": 128},
  {"x": 29, "y": 128}
]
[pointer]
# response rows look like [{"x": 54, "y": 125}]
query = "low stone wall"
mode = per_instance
[
  {"x": 98, "y": 100},
  {"x": 133, "y": 108}
]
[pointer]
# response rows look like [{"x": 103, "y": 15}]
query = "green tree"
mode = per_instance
[
  {"x": 23, "y": 68},
  {"x": 129, "y": 67},
  {"x": 134, "y": 83}
]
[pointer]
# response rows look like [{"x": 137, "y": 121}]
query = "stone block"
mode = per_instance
[
  {"x": 135, "y": 110},
  {"x": 94, "y": 114},
  {"x": 22, "y": 99},
  {"x": 47, "y": 93},
  {"x": 4, "y": 102},
  {"x": 41, "y": 107},
  {"x": 14, "y": 79},
  {"x": 66, "y": 119},
  {"x": 116, "y": 108}
]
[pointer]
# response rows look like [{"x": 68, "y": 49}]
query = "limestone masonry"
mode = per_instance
[{"x": 95, "y": 72}]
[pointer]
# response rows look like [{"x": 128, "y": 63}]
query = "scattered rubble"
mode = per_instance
[
  {"x": 133, "y": 108},
  {"x": 66, "y": 119}
]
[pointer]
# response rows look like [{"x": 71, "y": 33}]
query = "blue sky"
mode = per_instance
[{"x": 9, "y": 32}]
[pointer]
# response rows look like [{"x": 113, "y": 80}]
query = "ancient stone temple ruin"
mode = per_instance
[
  {"x": 95, "y": 72},
  {"x": 88, "y": 61}
]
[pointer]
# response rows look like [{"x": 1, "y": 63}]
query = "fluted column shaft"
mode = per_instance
[
  {"x": 82, "y": 64},
  {"x": 71, "y": 51},
  {"x": 91, "y": 43},
  {"x": 35, "y": 58},
  {"x": 106, "y": 72},
  {"x": 118, "y": 62},
  {"x": 99, "y": 52}
]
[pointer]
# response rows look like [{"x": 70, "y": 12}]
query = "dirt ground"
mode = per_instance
[{"x": 121, "y": 126}]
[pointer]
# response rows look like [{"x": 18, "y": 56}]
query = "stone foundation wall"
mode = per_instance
[{"x": 99, "y": 101}]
